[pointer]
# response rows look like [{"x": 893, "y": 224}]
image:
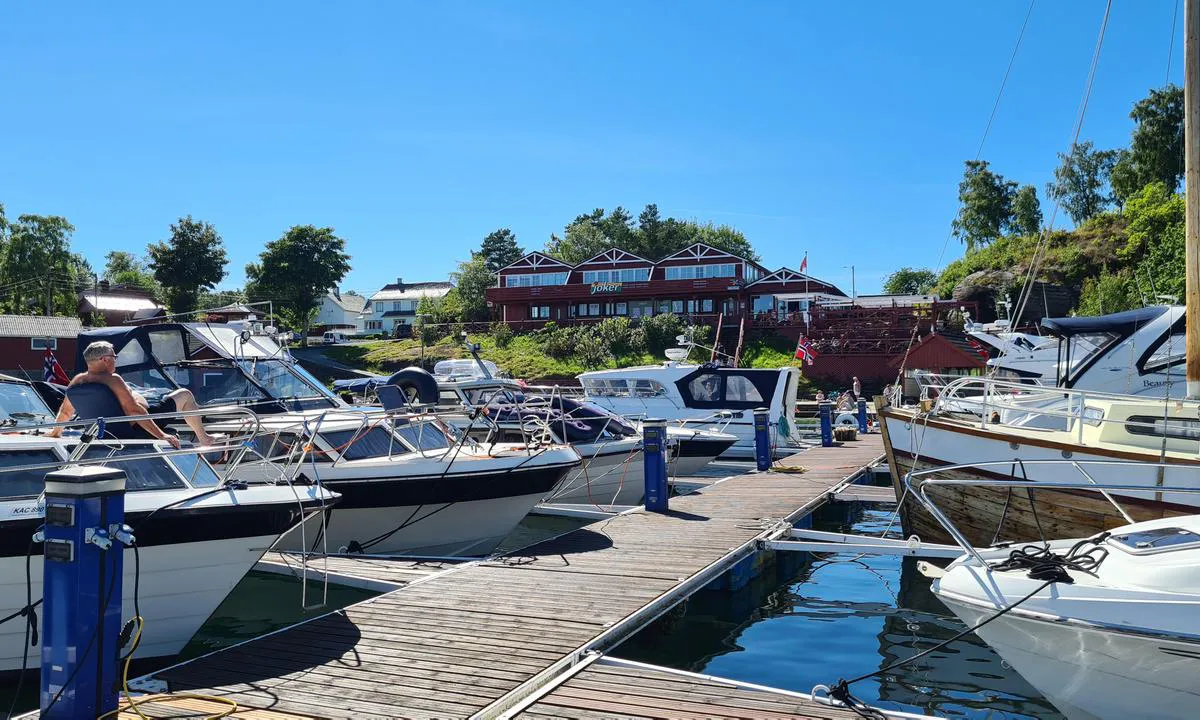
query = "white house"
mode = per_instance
[
  {"x": 339, "y": 311},
  {"x": 396, "y": 304}
]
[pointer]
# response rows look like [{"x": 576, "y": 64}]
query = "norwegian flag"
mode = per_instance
[
  {"x": 52, "y": 371},
  {"x": 804, "y": 263},
  {"x": 804, "y": 351}
]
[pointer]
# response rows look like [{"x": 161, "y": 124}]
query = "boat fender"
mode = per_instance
[
  {"x": 416, "y": 384},
  {"x": 847, "y": 419}
]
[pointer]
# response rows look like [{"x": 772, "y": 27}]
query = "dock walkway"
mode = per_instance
[{"x": 492, "y": 637}]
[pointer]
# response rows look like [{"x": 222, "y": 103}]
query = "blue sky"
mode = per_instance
[{"x": 414, "y": 129}]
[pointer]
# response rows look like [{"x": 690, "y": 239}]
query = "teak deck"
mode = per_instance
[{"x": 490, "y": 637}]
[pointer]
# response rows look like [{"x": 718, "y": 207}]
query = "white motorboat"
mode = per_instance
[
  {"x": 704, "y": 397},
  {"x": 1105, "y": 627},
  {"x": 197, "y": 535},
  {"x": 408, "y": 485}
]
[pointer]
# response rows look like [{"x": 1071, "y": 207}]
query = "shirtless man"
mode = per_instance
[{"x": 101, "y": 362}]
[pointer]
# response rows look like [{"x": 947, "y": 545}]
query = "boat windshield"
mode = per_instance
[
  {"x": 1084, "y": 349},
  {"x": 147, "y": 473},
  {"x": 21, "y": 405},
  {"x": 282, "y": 380},
  {"x": 216, "y": 382}
]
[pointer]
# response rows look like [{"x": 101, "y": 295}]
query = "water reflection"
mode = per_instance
[{"x": 809, "y": 620}]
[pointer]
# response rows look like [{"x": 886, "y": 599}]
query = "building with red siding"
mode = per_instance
[{"x": 24, "y": 340}]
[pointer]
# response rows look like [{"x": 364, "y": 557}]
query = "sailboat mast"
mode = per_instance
[{"x": 1191, "y": 177}]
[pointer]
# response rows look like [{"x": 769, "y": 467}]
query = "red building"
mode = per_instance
[
  {"x": 740, "y": 298},
  {"x": 706, "y": 284},
  {"x": 24, "y": 340}
]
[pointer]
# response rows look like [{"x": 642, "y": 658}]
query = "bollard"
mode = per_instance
[
  {"x": 82, "y": 564},
  {"x": 826, "y": 410},
  {"x": 862, "y": 415},
  {"x": 762, "y": 438},
  {"x": 654, "y": 444}
]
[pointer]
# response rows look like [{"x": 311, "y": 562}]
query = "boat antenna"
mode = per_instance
[{"x": 473, "y": 348}]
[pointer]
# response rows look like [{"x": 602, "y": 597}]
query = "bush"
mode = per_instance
[
  {"x": 616, "y": 334},
  {"x": 502, "y": 334},
  {"x": 660, "y": 332},
  {"x": 559, "y": 343},
  {"x": 591, "y": 351}
]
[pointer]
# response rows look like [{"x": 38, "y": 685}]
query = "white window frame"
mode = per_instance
[{"x": 43, "y": 343}]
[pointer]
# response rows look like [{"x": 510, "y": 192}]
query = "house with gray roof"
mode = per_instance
[
  {"x": 338, "y": 311},
  {"x": 396, "y": 304},
  {"x": 24, "y": 339}
]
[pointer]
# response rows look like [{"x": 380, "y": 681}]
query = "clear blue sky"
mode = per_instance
[{"x": 414, "y": 129}]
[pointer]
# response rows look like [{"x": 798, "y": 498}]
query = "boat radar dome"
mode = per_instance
[{"x": 676, "y": 354}]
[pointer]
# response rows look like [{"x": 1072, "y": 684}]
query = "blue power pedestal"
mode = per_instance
[
  {"x": 81, "y": 591},
  {"x": 762, "y": 439},
  {"x": 826, "y": 413},
  {"x": 654, "y": 457},
  {"x": 862, "y": 415}
]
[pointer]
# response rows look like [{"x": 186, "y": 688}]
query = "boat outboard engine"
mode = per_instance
[{"x": 416, "y": 384}]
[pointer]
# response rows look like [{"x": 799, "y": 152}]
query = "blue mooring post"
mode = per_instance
[
  {"x": 826, "y": 410},
  {"x": 84, "y": 539},
  {"x": 654, "y": 446},
  {"x": 762, "y": 438},
  {"x": 862, "y": 415}
]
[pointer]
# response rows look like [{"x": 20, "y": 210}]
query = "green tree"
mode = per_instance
[
  {"x": 910, "y": 281},
  {"x": 472, "y": 281},
  {"x": 40, "y": 272},
  {"x": 1155, "y": 151},
  {"x": 500, "y": 249},
  {"x": 985, "y": 205},
  {"x": 1027, "y": 211},
  {"x": 125, "y": 268},
  {"x": 296, "y": 271},
  {"x": 581, "y": 241},
  {"x": 1081, "y": 180},
  {"x": 192, "y": 260}
]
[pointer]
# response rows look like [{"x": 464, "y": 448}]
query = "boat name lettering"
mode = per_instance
[
  {"x": 1158, "y": 383},
  {"x": 606, "y": 287}
]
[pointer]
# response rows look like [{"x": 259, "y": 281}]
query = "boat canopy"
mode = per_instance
[
  {"x": 138, "y": 347},
  {"x": 1122, "y": 323}
]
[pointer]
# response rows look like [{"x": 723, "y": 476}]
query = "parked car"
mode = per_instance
[{"x": 333, "y": 338}]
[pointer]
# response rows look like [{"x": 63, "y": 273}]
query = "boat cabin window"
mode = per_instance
[
  {"x": 278, "y": 379},
  {"x": 620, "y": 387},
  {"x": 740, "y": 389},
  {"x": 24, "y": 483},
  {"x": 1169, "y": 350},
  {"x": 152, "y": 473},
  {"x": 1084, "y": 349},
  {"x": 706, "y": 388},
  {"x": 275, "y": 446},
  {"x": 216, "y": 383},
  {"x": 357, "y": 444},
  {"x": 422, "y": 435},
  {"x": 449, "y": 398},
  {"x": 195, "y": 470},
  {"x": 1179, "y": 428}
]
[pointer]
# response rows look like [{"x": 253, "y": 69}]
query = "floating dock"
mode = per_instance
[{"x": 524, "y": 634}]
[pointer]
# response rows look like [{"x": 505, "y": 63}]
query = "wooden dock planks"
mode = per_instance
[
  {"x": 459, "y": 642},
  {"x": 382, "y": 574}
]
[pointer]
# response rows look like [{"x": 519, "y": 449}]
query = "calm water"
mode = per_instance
[
  {"x": 812, "y": 619},
  {"x": 806, "y": 620}
]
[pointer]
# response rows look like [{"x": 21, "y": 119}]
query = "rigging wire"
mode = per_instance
[
  {"x": 1040, "y": 252},
  {"x": 1171, "y": 44}
]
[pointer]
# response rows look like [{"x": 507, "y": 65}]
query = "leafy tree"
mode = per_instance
[
  {"x": 39, "y": 268},
  {"x": 910, "y": 281},
  {"x": 500, "y": 249},
  {"x": 985, "y": 205},
  {"x": 1027, "y": 211},
  {"x": 1156, "y": 149},
  {"x": 1081, "y": 180},
  {"x": 722, "y": 237},
  {"x": 192, "y": 260},
  {"x": 297, "y": 270},
  {"x": 582, "y": 240},
  {"x": 472, "y": 280},
  {"x": 652, "y": 238},
  {"x": 125, "y": 268}
]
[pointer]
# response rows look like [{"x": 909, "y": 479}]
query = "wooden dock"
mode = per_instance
[
  {"x": 381, "y": 574},
  {"x": 510, "y": 635}
]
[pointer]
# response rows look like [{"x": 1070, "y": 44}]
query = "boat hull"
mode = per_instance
[
  {"x": 604, "y": 479},
  {"x": 989, "y": 515},
  {"x": 1090, "y": 673},
  {"x": 181, "y": 585}
]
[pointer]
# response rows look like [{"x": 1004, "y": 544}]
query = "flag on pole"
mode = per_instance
[
  {"x": 804, "y": 351},
  {"x": 52, "y": 371},
  {"x": 804, "y": 263}
]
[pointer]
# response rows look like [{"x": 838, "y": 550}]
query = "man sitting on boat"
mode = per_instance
[{"x": 101, "y": 359}]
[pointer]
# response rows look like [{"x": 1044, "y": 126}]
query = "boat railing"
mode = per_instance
[
  {"x": 232, "y": 445},
  {"x": 1007, "y": 404},
  {"x": 919, "y": 482}
]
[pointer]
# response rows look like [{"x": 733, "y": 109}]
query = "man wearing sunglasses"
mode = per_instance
[{"x": 101, "y": 362}]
